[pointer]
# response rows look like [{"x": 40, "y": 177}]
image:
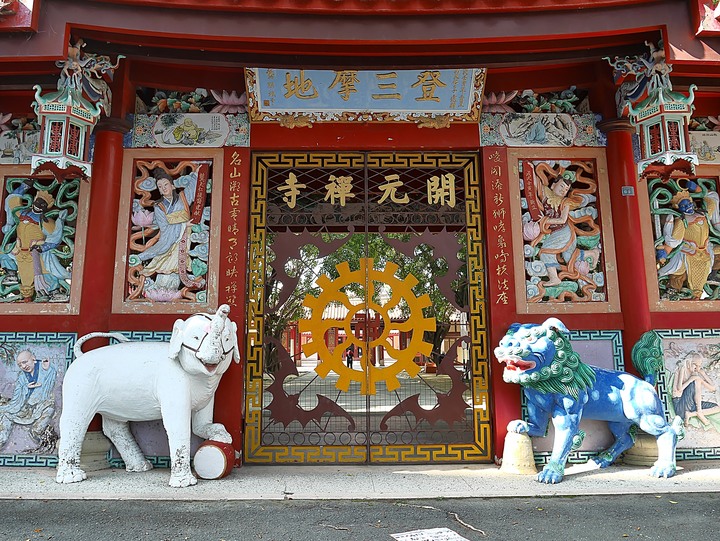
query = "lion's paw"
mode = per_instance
[
  {"x": 663, "y": 470},
  {"x": 603, "y": 460},
  {"x": 145, "y": 465},
  {"x": 551, "y": 474},
  {"x": 518, "y": 426},
  {"x": 183, "y": 480},
  {"x": 69, "y": 474}
]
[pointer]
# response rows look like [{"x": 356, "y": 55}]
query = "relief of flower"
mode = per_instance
[
  {"x": 229, "y": 103},
  {"x": 498, "y": 103},
  {"x": 143, "y": 218}
]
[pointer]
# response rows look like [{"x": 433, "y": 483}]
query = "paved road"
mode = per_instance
[{"x": 676, "y": 517}]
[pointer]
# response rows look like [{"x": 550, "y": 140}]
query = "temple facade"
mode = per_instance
[{"x": 377, "y": 189}]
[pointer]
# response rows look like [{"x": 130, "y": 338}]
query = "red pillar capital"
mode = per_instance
[{"x": 622, "y": 172}]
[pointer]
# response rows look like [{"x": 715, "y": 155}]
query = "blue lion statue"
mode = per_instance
[{"x": 559, "y": 386}]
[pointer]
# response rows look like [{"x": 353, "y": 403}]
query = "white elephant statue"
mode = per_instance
[{"x": 144, "y": 381}]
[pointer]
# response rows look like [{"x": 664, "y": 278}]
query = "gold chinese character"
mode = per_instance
[
  {"x": 347, "y": 79},
  {"x": 496, "y": 170},
  {"x": 441, "y": 190},
  {"x": 503, "y": 285},
  {"x": 387, "y": 86},
  {"x": 497, "y": 184},
  {"x": 234, "y": 186},
  {"x": 499, "y": 227},
  {"x": 232, "y": 242},
  {"x": 339, "y": 188},
  {"x": 234, "y": 200},
  {"x": 429, "y": 81},
  {"x": 390, "y": 190},
  {"x": 235, "y": 173},
  {"x": 235, "y": 160},
  {"x": 502, "y": 256},
  {"x": 231, "y": 287},
  {"x": 502, "y": 298},
  {"x": 232, "y": 272},
  {"x": 231, "y": 257},
  {"x": 234, "y": 213},
  {"x": 501, "y": 239},
  {"x": 495, "y": 156},
  {"x": 501, "y": 270},
  {"x": 498, "y": 213},
  {"x": 233, "y": 228},
  {"x": 292, "y": 187},
  {"x": 299, "y": 87},
  {"x": 498, "y": 199}
]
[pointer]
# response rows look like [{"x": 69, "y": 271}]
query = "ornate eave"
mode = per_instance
[
  {"x": 660, "y": 101},
  {"x": 65, "y": 101}
]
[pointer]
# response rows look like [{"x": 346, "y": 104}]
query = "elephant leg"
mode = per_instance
[
  {"x": 623, "y": 442},
  {"x": 73, "y": 426},
  {"x": 119, "y": 433},
  {"x": 177, "y": 425}
]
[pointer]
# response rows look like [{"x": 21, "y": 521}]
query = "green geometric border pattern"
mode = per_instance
[{"x": 68, "y": 340}]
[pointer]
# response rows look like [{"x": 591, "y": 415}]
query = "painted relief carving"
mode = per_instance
[
  {"x": 37, "y": 245},
  {"x": 31, "y": 372},
  {"x": 169, "y": 240},
  {"x": 561, "y": 232},
  {"x": 522, "y": 119},
  {"x": 175, "y": 119},
  {"x": 686, "y": 231}
]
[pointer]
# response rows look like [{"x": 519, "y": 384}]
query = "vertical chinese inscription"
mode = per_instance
[
  {"x": 499, "y": 225},
  {"x": 231, "y": 252}
]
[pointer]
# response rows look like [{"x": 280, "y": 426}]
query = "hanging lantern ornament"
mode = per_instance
[
  {"x": 660, "y": 115},
  {"x": 68, "y": 115}
]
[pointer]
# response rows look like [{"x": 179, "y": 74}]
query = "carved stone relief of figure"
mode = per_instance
[
  {"x": 686, "y": 229},
  {"x": 37, "y": 245},
  {"x": 561, "y": 233},
  {"x": 169, "y": 240}
]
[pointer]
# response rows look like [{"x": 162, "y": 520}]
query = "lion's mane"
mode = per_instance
[{"x": 566, "y": 374}]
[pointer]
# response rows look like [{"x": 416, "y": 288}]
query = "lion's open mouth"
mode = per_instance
[{"x": 516, "y": 364}]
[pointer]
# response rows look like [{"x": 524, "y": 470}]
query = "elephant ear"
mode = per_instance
[
  {"x": 176, "y": 340},
  {"x": 236, "y": 349}
]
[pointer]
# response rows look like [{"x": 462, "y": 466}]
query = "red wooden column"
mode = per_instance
[
  {"x": 96, "y": 301},
  {"x": 622, "y": 172}
]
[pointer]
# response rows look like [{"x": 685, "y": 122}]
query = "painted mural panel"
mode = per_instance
[
  {"x": 685, "y": 217},
  {"x": 168, "y": 252},
  {"x": 690, "y": 388},
  {"x": 207, "y": 130},
  {"x": 18, "y": 145},
  {"x": 706, "y": 145},
  {"x": 32, "y": 367},
  {"x": 38, "y": 241}
]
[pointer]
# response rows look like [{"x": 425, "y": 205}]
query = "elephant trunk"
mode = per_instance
[{"x": 211, "y": 350}]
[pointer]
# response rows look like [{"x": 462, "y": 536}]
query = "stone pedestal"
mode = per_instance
[
  {"x": 518, "y": 458},
  {"x": 93, "y": 456},
  {"x": 643, "y": 453}
]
